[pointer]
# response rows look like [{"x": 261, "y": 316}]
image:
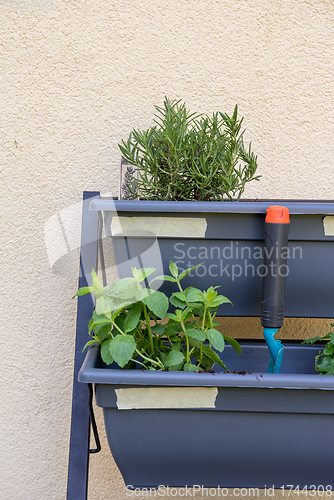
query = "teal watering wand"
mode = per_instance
[{"x": 273, "y": 294}]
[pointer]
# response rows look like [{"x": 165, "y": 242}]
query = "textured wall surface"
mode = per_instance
[{"x": 74, "y": 80}]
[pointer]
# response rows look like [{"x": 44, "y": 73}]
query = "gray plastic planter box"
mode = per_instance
[
  {"x": 227, "y": 237},
  {"x": 264, "y": 429}
]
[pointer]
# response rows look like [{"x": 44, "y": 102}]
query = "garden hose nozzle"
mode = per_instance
[{"x": 273, "y": 294}]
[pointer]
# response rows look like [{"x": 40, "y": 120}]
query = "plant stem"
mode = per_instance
[
  {"x": 188, "y": 354},
  {"x": 210, "y": 319},
  {"x": 118, "y": 328},
  {"x": 148, "y": 327},
  {"x": 187, "y": 341},
  {"x": 149, "y": 359},
  {"x": 204, "y": 318},
  {"x": 178, "y": 284},
  {"x": 136, "y": 361}
]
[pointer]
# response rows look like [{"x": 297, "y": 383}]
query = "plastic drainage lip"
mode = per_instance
[
  {"x": 295, "y": 208},
  {"x": 90, "y": 373}
]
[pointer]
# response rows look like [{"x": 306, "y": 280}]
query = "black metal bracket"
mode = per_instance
[
  {"x": 93, "y": 421},
  {"x": 82, "y": 418}
]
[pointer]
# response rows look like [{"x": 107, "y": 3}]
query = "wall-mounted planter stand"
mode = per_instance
[{"x": 264, "y": 429}]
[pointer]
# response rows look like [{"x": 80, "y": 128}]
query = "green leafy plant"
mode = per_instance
[
  {"x": 187, "y": 156},
  {"x": 127, "y": 323},
  {"x": 324, "y": 360}
]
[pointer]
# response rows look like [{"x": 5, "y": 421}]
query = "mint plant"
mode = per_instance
[
  {"x": 187, "y": 156},
  {"x": 127, "y": 323},
  {"x": 324, "y": 360}
]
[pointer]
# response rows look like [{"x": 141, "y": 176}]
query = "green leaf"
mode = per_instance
[
  {"x": 314, "y": 339},
  {"x": 317, "y": 360},
  {"x": 178, "y": 299},
  {"x": 213, "y": 356},
  {"x": 144, "y": 273},
  {"x": 309, "y": 341},
  {"x": 165, "y": 278},
  {"x": 135, "y": 273},
  {"x": 325, "y": 363},
  {"x": 133, "y": 317},
  {"x": 158, "y": 329},
  {"x": 162, "y": 356},
  {"x": 330, "y": 370},
  {"x": 196, "y": 333},
  {"x": 329, "y": 349},
  {"x": 104, "y": 305},
  {"x": 97, "y": 322},
  {"x": 189, "y": 367},
  {"x": 142, "y": 294},
  {"x": 187, "y": 271},
  {"x": 96, "y": 317},
  {"x": 115, "y": 313},
  {"x": 177, "y": 303},
  {"x": 187, "y": 313},
  {"x": 220, "y": 299},
  {"x": 102, "y": 331},
  {"x": 176, "y": 368},
  {"x": 122, "y": 348},
  {"x": 234, "y": 343},
  {"x": 89, "y": 343},
  {"x": 124, "y": 288},
  {"x": 207, "y": 362},
  {"x": 157, "y": 302},
  {"x": 156, "y": 343},
  {"x": 106, "y": 353},
  {"x": 216, "y": 339},
  {"x": 173, "y": 317},
  {"x": 173, "y": 269},
  {"x": 120, "y": 320},
  {"x": 97, "y": 285},
  {"x": 174, "y": 358},
  {"x": 180, "y": 296},
  {"x": 172, "y": 329},
  {"x": 194, "y": 342},
  {"x": 82, "y": 291},
  {"x": 210, "y": 294},
  {"x": 195, "y": 295}
]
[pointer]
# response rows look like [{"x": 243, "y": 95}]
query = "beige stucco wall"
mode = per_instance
[{"x": 73, "y": 82}]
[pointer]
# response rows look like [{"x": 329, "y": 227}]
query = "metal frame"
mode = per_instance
[{"x": 82, "y": 413}]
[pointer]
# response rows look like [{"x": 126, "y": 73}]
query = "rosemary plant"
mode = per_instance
[{"x": 186, "y": 156}]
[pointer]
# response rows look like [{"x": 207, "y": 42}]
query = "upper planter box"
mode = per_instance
[{"x": 227, "y": 237}]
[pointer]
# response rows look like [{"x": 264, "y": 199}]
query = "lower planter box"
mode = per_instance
[{"x": 241, "y": 429}]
